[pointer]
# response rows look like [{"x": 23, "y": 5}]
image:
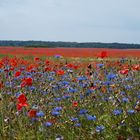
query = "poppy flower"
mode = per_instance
[
  {"x": 75, "y": 67},
  {"x": 48, "y": 69},
  {"x": 32, "y": 113},
  {"x": 74, "y": 103},
  {"x": 70, "y": 65},
  {"x": 36, "y": 58},
  {"x": 136, "y": 68},
  {"x": 124, "y": 71},
  {"x": 1, "y": 85},
  {"x": 30, "y": 67},
  {"x": 103, "y": 54},
  {"x": 20, "y": 105},
  {"x": 22, "y": 98},
  {"x": 27, "y": 81},
  {"x": 22, "y": 102},
  {"x": 47, "y": 62},
  {"x": 1, "y": 64},
  {"x": 12, "y": 68},
  {"x": 23, "y": 84},
  {"x": 17, "y": 74},
  {"x": 60, "y": 72},
  {"x": 13, "y": 64}
]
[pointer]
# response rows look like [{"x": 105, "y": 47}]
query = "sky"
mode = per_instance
[{"x": 71, "y": 20}]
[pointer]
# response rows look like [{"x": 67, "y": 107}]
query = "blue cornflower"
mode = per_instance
[
  {"x": 74, "y": 119},
  {"x": 105, "y": 98},
  {"x": 81, "y": 78},
  {"x": 82, "y": 111},
  {"x": 111, "y": 76},
  {"x": 138, "y": 96},
  {"x": 57, "y": 99},
  {"x": 108, "y": 83},
  {"x": 91, "y": 118},
  {"x": 1, "y": 70},
  {"x": 48, "y": 124},
  {"x": 40, "y": 114},
  {"x": 88, "y": 92},
  {"x": 34, "y": 119},
  {"x": 130, "y": 111},
  {"x": 66, "y": 96},
  {"x": 78, "y": 124},
  {"x": 100, "y": 65},
  {"x": 55, "y": 113},
  {"x": 125, "y": 100},
  {"x": 57, "y": 109},
  {"x": 32, "y": 88},
  {"x": 122, "y": 93},
  {"x": 17, "y": 94},
  {"x": 128, "y": 87},
  {"x": 117, "y": 112},
  {"x": 58, "y": 56},
  {"x": 65, "y": 83},
  {"x": 72, "y": 90},
  {"x": 100, "y": 128},
  {"x": 44, "y": 92},
  {"x": 81, "y": 96}
]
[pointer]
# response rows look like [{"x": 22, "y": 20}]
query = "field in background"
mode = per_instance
[{"x": 69, "y": 52}]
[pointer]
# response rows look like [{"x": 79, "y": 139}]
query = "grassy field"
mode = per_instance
[{"x": 69, "y": 98}]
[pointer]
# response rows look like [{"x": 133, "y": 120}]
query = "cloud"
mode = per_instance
[{"x": 71, "y": 20}]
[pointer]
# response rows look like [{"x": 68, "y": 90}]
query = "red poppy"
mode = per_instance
[
  {"x": 20, "y": 105},
  {"x": 1, "y": 64},
  {"x": 47, "y": 62},
  {"x": 32, "y": 113},
  {"x": 23, "y": 84},
  {"x": 1, "y": 85},
  {"x": 103, "y": 54},
  {"x": 74, "y": 103},
  {"x": 17, "y": 74},
  {"x": 124, "y": 71},
  {"x": 12, "y": 68},
  {"x": 32, "y": 66},
  {"x": 22, "y": 102},
  {"x": 75, "y": 67},
  {"x": 48, "y": 69},
  {"x": 93, "y": 87},
  {"x": 60, "y": 72},
  {"x": 70, "y": 65},
  {"x": 27, "y": 81},
  {"x": 136, "y": 68},
  {"x": 36, "y": 58},
  {"x": 22, "y": 98},
  {"x": 53, "y": 120}
]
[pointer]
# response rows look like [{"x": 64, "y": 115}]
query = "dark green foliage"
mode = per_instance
[{"x": 47, "y": 44}]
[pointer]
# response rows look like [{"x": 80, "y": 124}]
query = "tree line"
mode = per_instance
[{"x": 49, "y": 44}]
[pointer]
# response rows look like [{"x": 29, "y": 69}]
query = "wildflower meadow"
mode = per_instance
[{"x": 62, "y": 98}]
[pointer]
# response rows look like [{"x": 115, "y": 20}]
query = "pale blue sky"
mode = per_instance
[{"x": 70, "y": 20}]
